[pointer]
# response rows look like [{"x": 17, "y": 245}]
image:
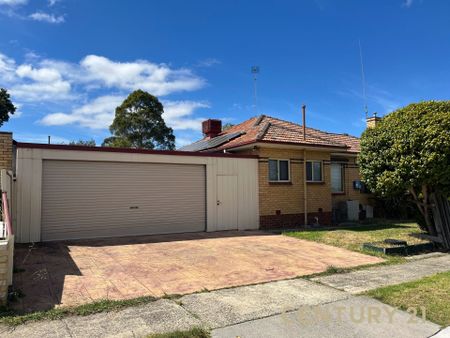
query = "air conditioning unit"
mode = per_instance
[{"x": 353, "y": 210}]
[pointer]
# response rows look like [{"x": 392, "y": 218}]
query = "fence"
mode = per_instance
[
  {"x": 441, "y": 216},
  {"x": 6, "y": 237}
]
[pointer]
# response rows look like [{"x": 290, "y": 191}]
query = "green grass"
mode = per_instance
[
  {"x": 432, "y": 293},
  {"x": 12, "y": 318},
  {"x": 192, "y": 333},
  {"x": 353, "y": 237}
]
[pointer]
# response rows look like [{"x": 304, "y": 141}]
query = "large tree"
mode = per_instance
[
  {"x": 139, "y": 124},
  {"x": 409, "y": 152},
  {"x": 6, "y": 106}
]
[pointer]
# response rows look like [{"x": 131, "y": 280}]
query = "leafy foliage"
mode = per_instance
[
  {"x": 6, "y": 106},
  {"x": 409, "y": 150},
  {"x": 227, "y": 126},
  {"x": 139, "y": 124},
  {"x": 87, "y": 143}
]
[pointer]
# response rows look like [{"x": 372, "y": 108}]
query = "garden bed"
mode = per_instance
[{"x": 392, "y": 247}]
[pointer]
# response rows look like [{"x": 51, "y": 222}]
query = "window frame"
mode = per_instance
[
  {"x": 342, "y": 166},
  {"x": 278, "y": 170},
  {"x": 312, "y": 171}
]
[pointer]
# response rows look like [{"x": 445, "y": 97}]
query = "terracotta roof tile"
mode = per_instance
[{"x": 269, "y": 129}]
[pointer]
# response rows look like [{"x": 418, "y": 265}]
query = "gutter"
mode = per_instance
[{"x": 128, "y": 150}]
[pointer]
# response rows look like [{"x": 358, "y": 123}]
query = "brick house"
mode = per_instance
[{"x": 286, "y": 150}]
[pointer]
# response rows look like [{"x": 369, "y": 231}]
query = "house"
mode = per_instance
[
  {"x": 305, "y": 175},
  {"x": 64, "y": 192},
  {"x": 262, "y": 173}
]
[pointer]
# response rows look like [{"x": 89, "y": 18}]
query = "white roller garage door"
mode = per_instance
[{"x": 83, "y": 199}]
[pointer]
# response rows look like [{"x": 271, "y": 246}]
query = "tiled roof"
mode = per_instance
[{"x": 269, "y": 129}]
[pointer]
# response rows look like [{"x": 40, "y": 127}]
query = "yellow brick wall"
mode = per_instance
[
  {"x": 6, "y": 150},
  {"x": 288, "y": 198},
  {"x": 351, "y": 173}
]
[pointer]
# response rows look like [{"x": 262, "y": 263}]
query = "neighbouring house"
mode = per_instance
[{"x": 305, "y": 175}]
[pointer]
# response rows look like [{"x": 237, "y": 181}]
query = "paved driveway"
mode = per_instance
[{"x": 77, "y": 272}]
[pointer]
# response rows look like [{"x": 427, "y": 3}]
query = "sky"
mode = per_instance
[{"x": 69, "y": 63}]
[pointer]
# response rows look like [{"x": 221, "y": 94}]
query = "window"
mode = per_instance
[
  {"x": 279, "y": 170},
  {"x": 314, "y": 171},
  {"x": 337, "y": 177}
]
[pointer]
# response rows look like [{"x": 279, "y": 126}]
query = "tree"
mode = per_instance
[
  {"x": 6, "y": 106},
  {"x": 227, "y": 126},
  {"x": 86, "y": 143},
  {"x": 409, "y": 151},
  {"x": 139, "y": 124}
]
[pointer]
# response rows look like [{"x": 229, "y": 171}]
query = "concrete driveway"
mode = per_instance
[{"x": 76, "y": 272}]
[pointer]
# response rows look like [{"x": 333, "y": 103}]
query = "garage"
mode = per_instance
[
  {"x": 82, "y": 199},
  {"x": 63, "y": 192}
]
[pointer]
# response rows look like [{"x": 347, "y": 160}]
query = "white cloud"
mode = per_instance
[
  {"x": 101, "y": 85},
  {"x": 183, "y": 141},
  {"x": 46, "y": 79},
  {"x": 38, "y": 74},
  {"x": 208, "y": 62},
  {"x": 40, "y": 84},
  {"x": 97, "y": 114},
  {"x": 7, "y": 68},
  {"x": 407, "y": 3},
  {"x": 178, "y": 114},
  {"x": 46, "y": 17},
  {"x": 18, "y": 113},
  {"x": 52, "y": 2},
  {"x": 158, "y": 79},
  {"x": 43, "y": 91},
  {"x": 13, "y": 2}
]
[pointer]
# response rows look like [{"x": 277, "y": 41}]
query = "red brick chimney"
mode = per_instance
[{"x": 211, "y": 128}]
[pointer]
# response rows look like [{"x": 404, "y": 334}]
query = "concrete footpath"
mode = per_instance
[
  {"x": 353, "y": 317},
  {"x": 288, "y": 308},
  {"x": 379, "y": 276}
]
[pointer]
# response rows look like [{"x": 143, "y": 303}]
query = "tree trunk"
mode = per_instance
[{"x": 424, "y": 207}]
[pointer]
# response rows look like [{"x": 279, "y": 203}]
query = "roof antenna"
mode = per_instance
[
  {"x": 363, "y": 79},
  {"x": 255, "y": 72}
]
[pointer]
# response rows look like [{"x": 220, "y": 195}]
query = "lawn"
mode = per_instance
[
  {"x": 10, "y": 317},
  {"x": 430, "y": 293},
  {"x": 353, "y": 237}
]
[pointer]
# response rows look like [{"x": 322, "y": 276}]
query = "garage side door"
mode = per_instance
[{"x": 82, "y": 199}]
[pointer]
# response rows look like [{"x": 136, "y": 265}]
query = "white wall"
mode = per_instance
[{"x": 29, "y": 183}]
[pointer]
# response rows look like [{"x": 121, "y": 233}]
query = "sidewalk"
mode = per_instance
[
  {"x": 354, "y": 317},
  {"x": 372, "y": 278},
  {"x": 290, "y": 307}
]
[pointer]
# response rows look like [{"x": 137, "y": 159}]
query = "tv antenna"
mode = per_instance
[
  {"x": 255, "y": 72},
  {"x": 363, "y": 79}
]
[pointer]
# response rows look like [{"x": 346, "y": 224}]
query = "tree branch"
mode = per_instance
[{"x": 416, "y": 200}]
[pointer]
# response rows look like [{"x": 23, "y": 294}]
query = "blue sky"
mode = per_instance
[{"x": 69, "y": 63}]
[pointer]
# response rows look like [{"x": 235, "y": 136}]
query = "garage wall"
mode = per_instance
[{"x": 28, "y": 185}]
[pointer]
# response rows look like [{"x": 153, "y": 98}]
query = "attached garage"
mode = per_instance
[
  {"x": 82, "y": 199},
  {"x": 72, "y": 192}
]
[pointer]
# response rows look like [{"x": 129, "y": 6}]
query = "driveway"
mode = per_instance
[{"x": 76, "y": 272}]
